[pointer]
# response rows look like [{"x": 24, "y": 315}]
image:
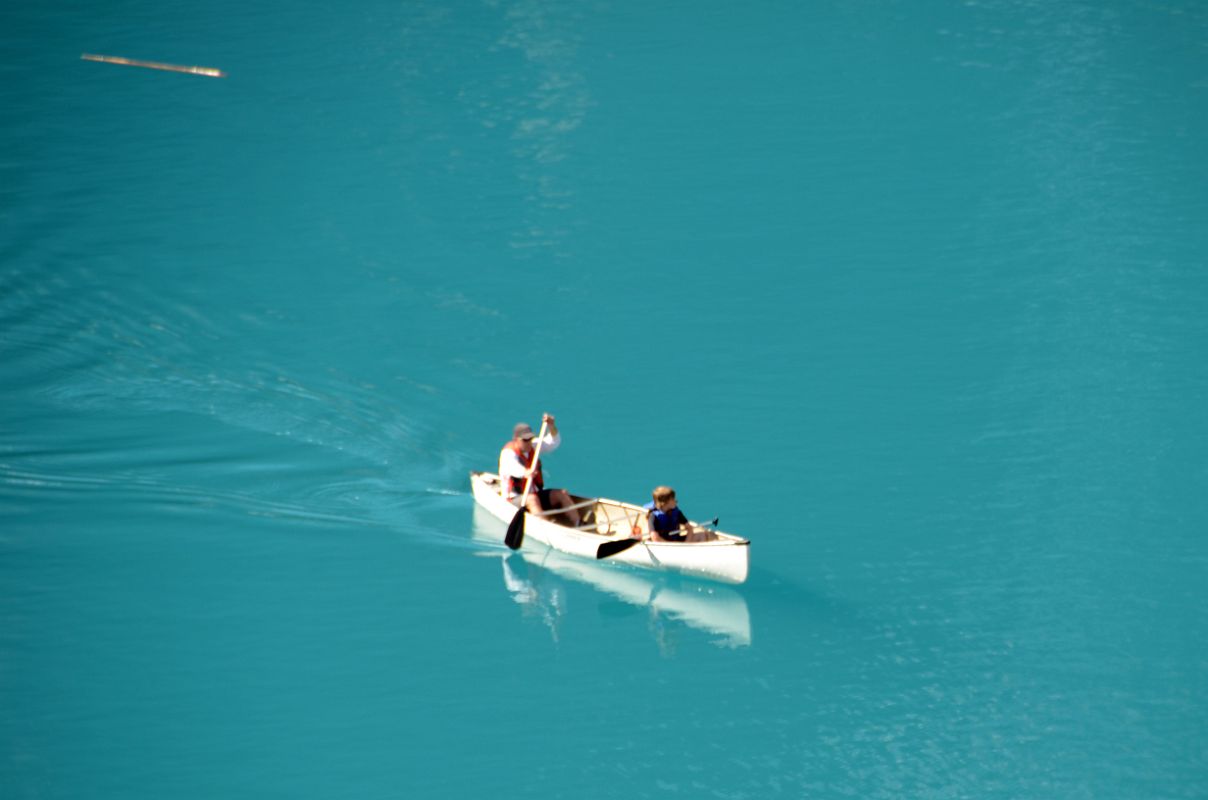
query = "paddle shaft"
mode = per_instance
[
  {"x": 528, "y": 481},
  {"x": 515, "y": 535}
]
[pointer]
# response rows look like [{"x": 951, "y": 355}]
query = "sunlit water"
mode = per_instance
[{"x": 914, "y": 297}]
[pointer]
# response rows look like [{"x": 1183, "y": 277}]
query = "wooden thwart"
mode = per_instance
[{"x": 209, "y": 72}]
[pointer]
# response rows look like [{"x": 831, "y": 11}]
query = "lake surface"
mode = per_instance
[{"x": 914, "y": 296}]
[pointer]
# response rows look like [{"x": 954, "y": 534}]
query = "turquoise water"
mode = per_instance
[{"x": 911, "y": 295}]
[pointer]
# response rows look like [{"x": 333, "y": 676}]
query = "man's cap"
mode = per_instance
[{"x": 522, "y": 431}]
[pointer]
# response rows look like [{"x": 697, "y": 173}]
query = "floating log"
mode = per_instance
[{"x": 209, "y": 72}]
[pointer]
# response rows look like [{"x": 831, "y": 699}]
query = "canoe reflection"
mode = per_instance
[{"x": 535, "y": 578}]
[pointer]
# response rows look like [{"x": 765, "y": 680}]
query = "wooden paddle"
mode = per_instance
[
  {"x": 515, "y": 535},
  {"x": 617, "y": 546},
  {"x": 621, "y": 545}
]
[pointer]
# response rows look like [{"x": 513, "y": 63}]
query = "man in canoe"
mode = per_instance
[{"x": 515, "y": 460}]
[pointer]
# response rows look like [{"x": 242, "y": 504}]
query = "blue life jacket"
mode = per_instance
[{"x": 666, "y": 523}]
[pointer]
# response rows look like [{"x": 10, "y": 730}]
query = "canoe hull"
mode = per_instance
[
  {"x": 726, "y": 558},
  {"x": 708, "y": 606}
]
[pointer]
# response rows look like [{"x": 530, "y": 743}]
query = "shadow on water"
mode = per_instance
[
  {"x": 538, "y": 579},
  {"x": 791, "y": 616}
]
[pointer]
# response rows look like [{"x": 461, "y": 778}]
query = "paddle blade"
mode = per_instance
[
  {"x": 515, "y": 535},
  {"x": 612, "y": 548}
]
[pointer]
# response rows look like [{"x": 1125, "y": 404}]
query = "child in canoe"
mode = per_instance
[{"x": 667, "y": 523}]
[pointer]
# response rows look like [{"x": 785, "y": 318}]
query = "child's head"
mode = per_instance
[{"x": 664, "y": 497}]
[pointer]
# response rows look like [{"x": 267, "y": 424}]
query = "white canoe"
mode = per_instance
[
  {"x": 724, "y": 557},
  {"x": 706, "y": 606}
]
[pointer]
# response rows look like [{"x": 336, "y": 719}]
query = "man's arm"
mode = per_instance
[
  {"x": 509, "y": 467},
  {"x": 552, "y": 439}
]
